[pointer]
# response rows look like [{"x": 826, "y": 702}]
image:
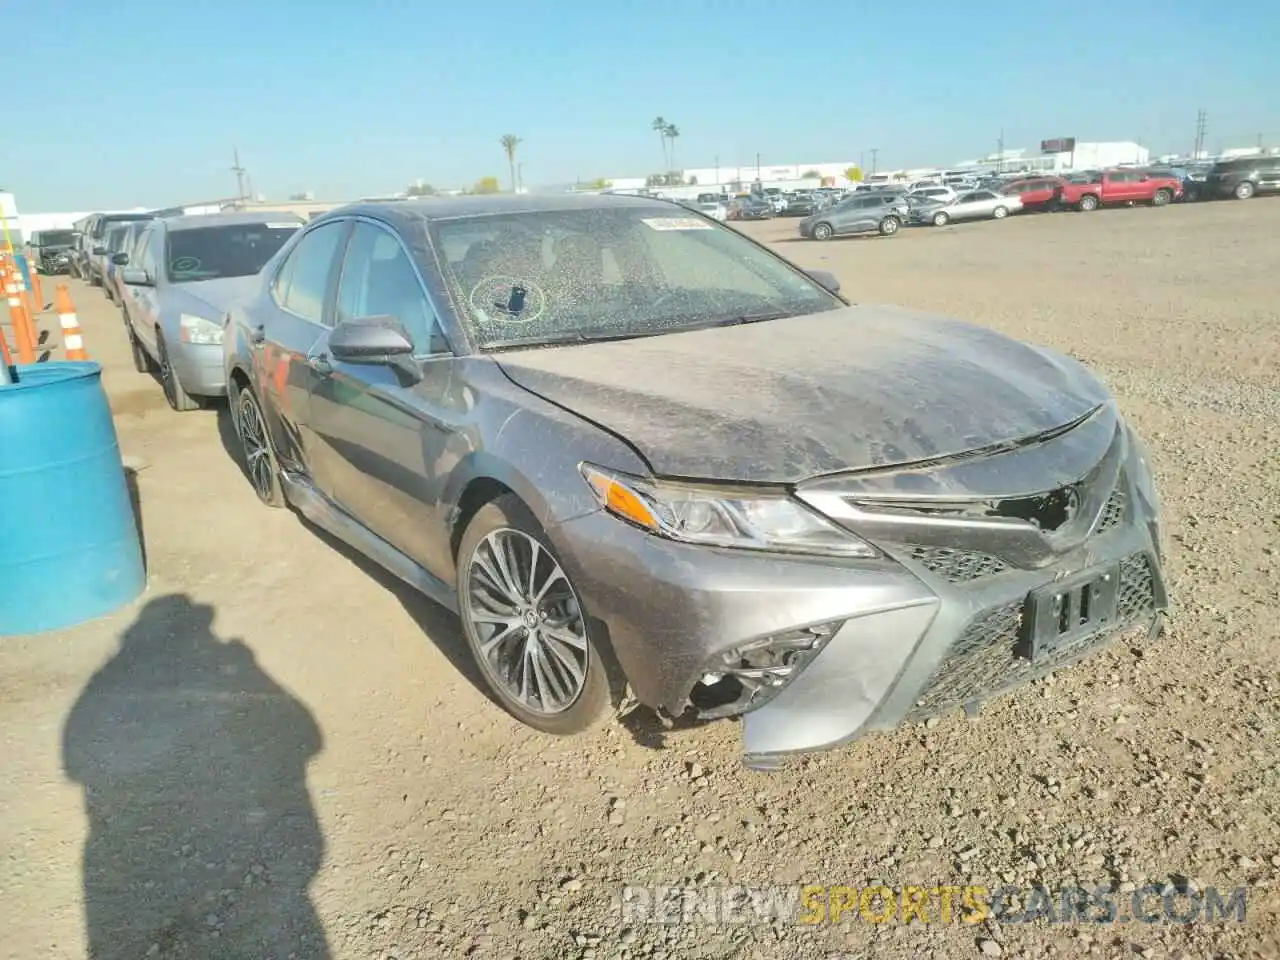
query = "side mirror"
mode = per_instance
[
  {"x": 99, "y": 251},
  {"x": 370, "y": 340},
  {"x": 136, "y": 278},
  {"x": 826, "y": 278},
  {"x": 120, "y": 259}
]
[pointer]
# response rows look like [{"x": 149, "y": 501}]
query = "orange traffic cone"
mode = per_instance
[
  {"x": 72, "y": 339},
  {"x": 23, "y": 338}
]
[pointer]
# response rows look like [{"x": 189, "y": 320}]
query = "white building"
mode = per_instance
[
  {"x": 1085, "y": 156},
  {"x": 738, "y": 179}
]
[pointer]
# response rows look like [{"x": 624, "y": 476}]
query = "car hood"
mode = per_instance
[
  {"x": 211, "y": 298},
  {"x": 787, "y": 400}
]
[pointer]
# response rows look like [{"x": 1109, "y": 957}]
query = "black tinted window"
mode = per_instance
[
  {"x": 234, "y": 250},
  {"x": 54, "y": 238},
  {"x": 309, "y": 267}
]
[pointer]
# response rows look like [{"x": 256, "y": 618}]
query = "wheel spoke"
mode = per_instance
[
  {"x": 564, "y": 658},
  {"x": 497, "y": 582},
  {"x": 512, "y": 628},
  {"x": 506, "y": 570},
  {"x": 565, "y": 636}
]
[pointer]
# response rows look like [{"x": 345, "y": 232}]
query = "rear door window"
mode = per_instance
[{"x": 310, "y": 267}]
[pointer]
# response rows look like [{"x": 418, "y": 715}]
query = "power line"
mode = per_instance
[{"x": 1202, "y": 124}]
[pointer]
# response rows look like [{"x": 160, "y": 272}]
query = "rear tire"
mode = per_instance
[
  {"x": 823, "y": 231},
  {"x": 999, "y": 213},
  {"x": 1088, "y": 202},
  {"x": 508, "y": 523},
  {"x": 1244, "y": 190},
  {"x": 940, "y": 219},
  {"x": 889, "y": 226},
  {"x": 141, "y": 359}
]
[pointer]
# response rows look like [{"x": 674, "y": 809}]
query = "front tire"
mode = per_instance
[
  {"x": 889, "y": 226},
  {"x": 257, "y": 456},
  {"x": 178, "y": 398},
  {"x": 823, "y": 231},
  {"x": 1162, "y": 198},
  {"x": 1244, "y": 190},
  {"x": 533, "y": 640},
  {"x": 940, "y": 219}
]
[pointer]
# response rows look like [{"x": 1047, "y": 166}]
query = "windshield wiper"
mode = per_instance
[{"x": 578, "y": 336}]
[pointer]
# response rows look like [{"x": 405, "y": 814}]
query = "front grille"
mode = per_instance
[
  {"x": 983, "y": 661},
  {"x": 957, "y": 566}
]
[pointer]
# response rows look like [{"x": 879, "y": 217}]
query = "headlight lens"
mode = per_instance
[
  {"x": 193, "y": 329},
  {"x": 717, "y": 518}
]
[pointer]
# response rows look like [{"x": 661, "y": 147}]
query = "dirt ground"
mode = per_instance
[{"x": 280, "y": 751}]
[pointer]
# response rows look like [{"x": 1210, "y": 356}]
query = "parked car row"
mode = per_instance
[
  {"x": 175, "y": 278},
  {"x": 886, "y": 208}
]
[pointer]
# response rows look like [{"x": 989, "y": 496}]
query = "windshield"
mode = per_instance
[
  {"x": 233, "y": 250},
  {"x": 55, "y": 238},
  {"x": 105, "y": 223},
  {"x": 614, "y": 272}
]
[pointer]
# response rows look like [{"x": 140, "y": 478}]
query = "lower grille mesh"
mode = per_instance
[
  {"x": 984, "y": 662},
  {"x": 957, "y": 566}
]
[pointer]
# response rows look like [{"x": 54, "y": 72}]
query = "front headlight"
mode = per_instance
[
  {"x": 193, "y": 329},
  {"x": 721, "y": 518}
]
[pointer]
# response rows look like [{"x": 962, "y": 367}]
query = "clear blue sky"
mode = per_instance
[{"x": 139, "y": 102}]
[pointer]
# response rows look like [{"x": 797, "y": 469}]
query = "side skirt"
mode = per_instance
[{"x": 321, "y": 511}]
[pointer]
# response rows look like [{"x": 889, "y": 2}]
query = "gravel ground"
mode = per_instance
[{"x": 280, "y": 751}]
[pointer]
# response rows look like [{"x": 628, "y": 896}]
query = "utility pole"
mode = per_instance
[
  {"x": 1259, "y": 143},
  {"x": 757, "y": 167},
  {"x": 1000, "y": 152},
  {"x": 717, "y": 170},
  {"x": 239, "y": 171},
  {"x": 875, "y": 152},
  {"x": 1202, "y": 122}
]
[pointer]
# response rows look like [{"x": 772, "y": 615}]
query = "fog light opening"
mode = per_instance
[{"x": 748, "y": 676}]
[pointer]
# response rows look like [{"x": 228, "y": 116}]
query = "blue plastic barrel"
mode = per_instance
[{"x": 69, "y": 544}]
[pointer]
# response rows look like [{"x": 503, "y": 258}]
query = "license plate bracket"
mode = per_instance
[{"x": 1058, "y": 614}]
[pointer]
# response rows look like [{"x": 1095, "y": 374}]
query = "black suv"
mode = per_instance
[
  {"x": 1243, "y": 178},
  {"x": 51, "y": 250}
]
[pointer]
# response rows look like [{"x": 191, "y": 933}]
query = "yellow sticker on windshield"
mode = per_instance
[{"x": 676, "y": 223}]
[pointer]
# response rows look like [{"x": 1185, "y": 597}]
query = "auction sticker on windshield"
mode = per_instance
[
  {"x": 676, "y": 223},
  {"x": 282, "y": 226}
]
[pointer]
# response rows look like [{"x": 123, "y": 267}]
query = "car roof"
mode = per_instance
[
  {"x": 405, "y": 212},
  {"x": 196, "y": 221}
]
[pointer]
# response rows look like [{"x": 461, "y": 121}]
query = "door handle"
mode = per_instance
[
  {"x": 320, "y": 363},
  {"x": 258, "y": 334}
]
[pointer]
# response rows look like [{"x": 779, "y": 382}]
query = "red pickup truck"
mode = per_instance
[{"x": 1108, "y": 187}]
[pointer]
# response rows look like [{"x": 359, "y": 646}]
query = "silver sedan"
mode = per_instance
[{"x": 975, "y": 205}]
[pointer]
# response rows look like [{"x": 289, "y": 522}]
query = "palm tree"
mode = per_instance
[
  {"x": 660, "y": 126},
  {"x": 672, "y": 132},
  {"x": 509, "y": 143}
]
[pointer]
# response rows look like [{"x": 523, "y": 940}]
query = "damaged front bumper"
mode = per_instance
[{"x": 973, "y": 595}]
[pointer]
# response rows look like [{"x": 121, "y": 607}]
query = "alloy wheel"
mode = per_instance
[
  {"x": 253, "y": 439},
  {"x": 530, "y": 632}
]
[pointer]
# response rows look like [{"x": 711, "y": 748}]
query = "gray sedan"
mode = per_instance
[
  {"x": 176, "y": 285},
  {"x": 974, "y": 205},
  {"x": 647, "y": 460}
]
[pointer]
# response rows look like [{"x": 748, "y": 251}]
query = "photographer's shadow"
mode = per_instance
[{"x": 202, "y": 838}]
